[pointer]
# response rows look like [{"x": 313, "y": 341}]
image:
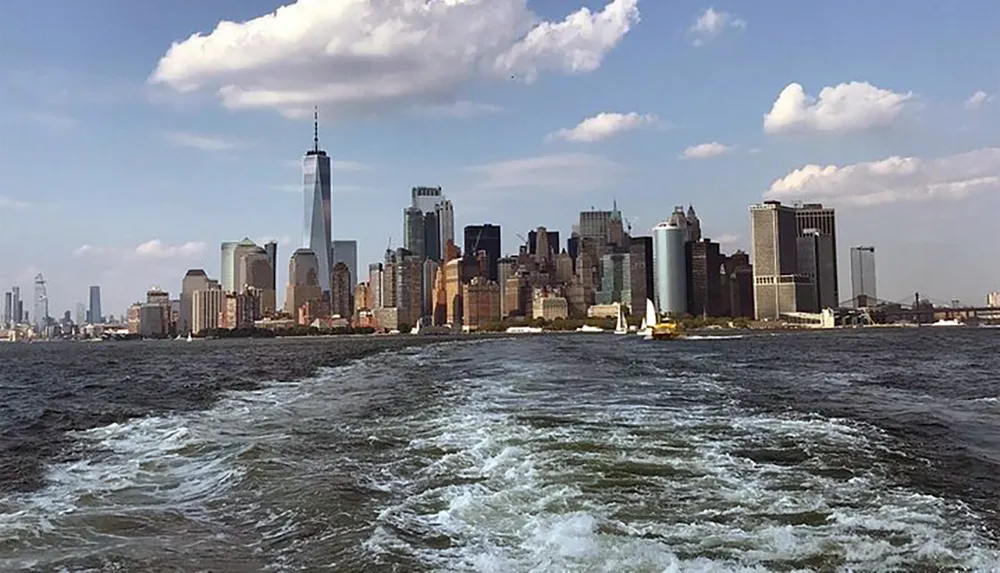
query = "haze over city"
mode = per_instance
[{"x": 138, "y": 137}]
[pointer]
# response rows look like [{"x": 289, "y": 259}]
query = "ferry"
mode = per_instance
[{"x": 667, "y": 330}]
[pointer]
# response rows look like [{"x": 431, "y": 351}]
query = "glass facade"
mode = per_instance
[{"x": 318, "y": 235}]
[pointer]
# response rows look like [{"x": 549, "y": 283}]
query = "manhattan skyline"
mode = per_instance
[{"x": 162, "y": 157}]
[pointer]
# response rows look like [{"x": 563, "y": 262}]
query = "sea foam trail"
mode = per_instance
[
  {"x": 528, "y": 483},
  {"x": 459, "y": 458}
]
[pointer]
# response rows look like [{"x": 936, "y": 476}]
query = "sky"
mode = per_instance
[{"x": 135, "y": 137}]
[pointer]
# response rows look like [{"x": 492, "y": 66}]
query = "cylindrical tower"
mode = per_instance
[{"x": 670, "y": 270}]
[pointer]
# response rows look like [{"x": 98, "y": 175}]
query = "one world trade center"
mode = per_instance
[{"x": 317, "y": 235}]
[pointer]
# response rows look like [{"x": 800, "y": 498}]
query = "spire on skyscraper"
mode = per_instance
[{"x": 316, "y": 129}]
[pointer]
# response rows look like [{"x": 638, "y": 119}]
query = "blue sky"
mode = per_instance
[{"x": 124, "y": 163}]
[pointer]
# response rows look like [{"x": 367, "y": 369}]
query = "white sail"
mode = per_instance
[
  {"x": 651, "y": 317},
  {"x": 621, "y": 327}
]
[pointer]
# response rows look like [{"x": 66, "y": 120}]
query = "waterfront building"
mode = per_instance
[
  {"x": 549, "y": 308},
  {"x": 993, "y": 299},
  {"x": 669, "y": 268},
  {"x": 194, "y": 280},
  {"x": 317, "y": 233},
  {"x": 641, "y": 272},
  {"x": 703, "y": 262},
  {"x": 481, "y": 302},
  {"x": 863, "y": 276},
  {"x": 206, "y": 308},
  {"x": 778, "y": 286},
  {"x": 616, "y": 279},
  {"x": 816, "y": 226},
  {"x": 739, "y": 284}
]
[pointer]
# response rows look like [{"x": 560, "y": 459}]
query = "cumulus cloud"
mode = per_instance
[
  {"x": 727, "y": 239},
  {"x": 358, "y": 56},
  {"x": 603, "y": 126},
  {"x": 705, "y": 150},
  {"x": 978, "y": 100},
  {"x": 844, "y": 108},
  {"x": 892, "y": 180},
  {"x": 711, "y": 23},
  {"x": 198, "y": 141},
  {"x": 556, "y": 172}
]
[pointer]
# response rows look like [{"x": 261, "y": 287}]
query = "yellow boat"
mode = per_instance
[{"x": 667, "y": 331}]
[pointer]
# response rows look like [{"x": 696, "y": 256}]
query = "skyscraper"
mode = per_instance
[
  {"x": 271, "y": 248},
  {"x": 8, "y": 308},
  {"x": 486, "y": 238},
  {"x": 227, "y": 270},
  {"x": 346, "y": 251},
  {"x": 778, "y": 286},
  {"x": 317, "y": 232},
  {"x": 863, "y": 276},
  {"x": 303, "y": 281},
  {"x": 818, "y": 225},
  {"x": 669, "y": 269},
  {"x": 428, "y": 223},
  {"x": 195, "y": 280},
  {"x": 96, "y": 316}
]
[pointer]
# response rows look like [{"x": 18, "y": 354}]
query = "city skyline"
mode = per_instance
[{"x": 508, "y": 150}]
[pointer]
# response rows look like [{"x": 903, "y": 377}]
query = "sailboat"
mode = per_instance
[
  {"x": 648, "y": 321},
  {"x": 189, "y": 339},
  {"x": 621, "y": 327}
]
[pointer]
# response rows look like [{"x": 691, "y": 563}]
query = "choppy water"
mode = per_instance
[{"x": 867, "y": 451}]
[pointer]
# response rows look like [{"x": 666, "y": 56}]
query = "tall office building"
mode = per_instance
[
  {"x": 818, "y": 226},
  {"x": 641, "y": 260},
  {"x": 303, "y": 281},
  {"x": 8, "y": 308},
  {"x": 428, "y": 223},
  {"x": 96, "y": 317},
  {"x": 704, "y": 261},
  {"x": 669, "y": 268},
  {"x": 271, "y": 248},
  {"x": 341, "y": 292},
  {"x": 194, "y": 280},
  {"x": 227, "y": 271},
  {"x": 17, "y": 305},
  {"x": 346, "y": 251},
  {"x": 550, "y": 240},
  {"x": 375, "y": 285},
  {"x": 317, "y": 232},
  {"x": 863, "y": 276},
  {"x": 616, "y": 279},
  {"x": 778, "y": 286},
  {"x": 485, "y": 237}
]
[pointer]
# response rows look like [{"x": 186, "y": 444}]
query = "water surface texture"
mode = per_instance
[{"x": 864, "y": 451}]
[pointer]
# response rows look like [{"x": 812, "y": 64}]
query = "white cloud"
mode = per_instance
[
  {"x": 728, "y": 239},
  {"x": 846, "y": 107},
  {"x": 978, "y": 100},
  {"x": 705, "y": 150},
  {"x": 365, "y": 56},
  {"x": 603, "y": 126},
  {"x": 711, "y": 23},
  {"x": 892, "y": 180},
  {"x": 198, "y": 141},
  {"x": 557, "y": 172},
  {"x": 157, "y": 249}
]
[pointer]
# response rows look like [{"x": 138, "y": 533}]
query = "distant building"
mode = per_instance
[
  {"x": 428, "y": 223},
  {"x": 703, "y": 262},
  {"x": 778, "y": 286},
  {"x": 346, "y": 251},
  {"x": 818, "y": 225},
  {"x": 318, "y": 234},
  {"x": 549, "y": 241},
  {"x": 303, "y": 281},
  {"x": 341, "y": 291},
  {"x": 206, "y": 308},
  {"x": 616, "y": 279},
  {"x": 96, "y": 316},
  {"x": 739, "y": 285},
  {"x": 227, "y": 271},
  {"x": 550, "y": 308},
  {"x": 485, "y": 237},
  {"x": 993, "y": 300},
  {"x": 641, "y": 272},
  {"x": 271, "y": 248},
  {"x": 863, "y": 277},
  {"x": 670, "y": 273},
  {"x": 194, "y": 280},
  {"x": 481, "y": 302}
]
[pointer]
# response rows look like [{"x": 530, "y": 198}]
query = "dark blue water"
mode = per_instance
[{"x": 867, "y": 450}]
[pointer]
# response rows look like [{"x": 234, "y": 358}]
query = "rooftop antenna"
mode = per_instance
[{"x": 316, "y": 129}]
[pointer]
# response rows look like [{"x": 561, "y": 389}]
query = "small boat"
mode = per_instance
[
  {"x": 667, "y": 330},
  {"x": 621, "y": 327},
  {"x": 646, "y": 328},
  {"x": 589, "y": 328}
]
